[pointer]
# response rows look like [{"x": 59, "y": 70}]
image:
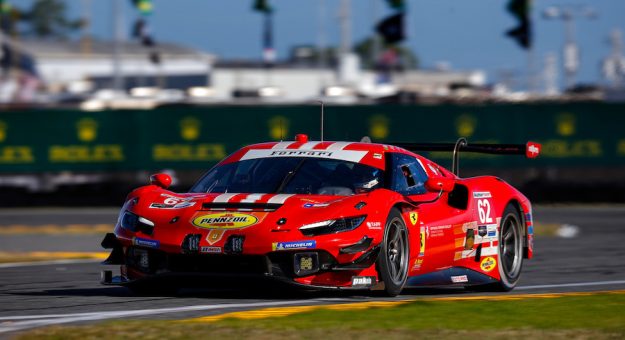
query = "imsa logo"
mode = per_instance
[{"x": 225, "y": 221}]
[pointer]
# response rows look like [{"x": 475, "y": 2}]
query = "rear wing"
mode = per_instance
[{"x": 530, "y": 149}]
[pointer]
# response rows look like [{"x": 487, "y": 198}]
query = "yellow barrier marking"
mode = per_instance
[
  {"x": 286, "y": 311},
  {"x": 50, "y": 255},
  {"x": 55, "y": 229}
]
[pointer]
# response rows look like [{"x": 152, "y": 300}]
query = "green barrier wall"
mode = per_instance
[{"x": 587, "y": 134}]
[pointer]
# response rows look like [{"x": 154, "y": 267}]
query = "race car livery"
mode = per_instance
[{"x": 330, "y": 215}]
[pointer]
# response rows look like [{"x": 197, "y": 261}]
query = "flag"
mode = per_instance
[
  {"x": 522, "y": 33},
  {"x": 392, "y": 28}
]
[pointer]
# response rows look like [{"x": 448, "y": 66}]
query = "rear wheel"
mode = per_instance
[
  {"x": 393, "y": 259},
  {"x": 510, "y": 249}
]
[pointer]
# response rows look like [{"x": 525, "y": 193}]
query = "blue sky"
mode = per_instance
[{"x": 469, "y": 34}]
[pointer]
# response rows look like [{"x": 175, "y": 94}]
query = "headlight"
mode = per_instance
[
  {"x": 134, "y": 223},
  {"x": 332, "y": 226}
]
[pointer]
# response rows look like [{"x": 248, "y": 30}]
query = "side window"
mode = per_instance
[{"x": 408, "y": 176}]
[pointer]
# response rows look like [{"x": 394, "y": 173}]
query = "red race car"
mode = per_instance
[{"x": 342, "y": 215}]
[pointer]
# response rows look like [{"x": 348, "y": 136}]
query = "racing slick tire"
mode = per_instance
[
  {"x": 394, "y": 255},
  {"x": 510, "y": 250}
]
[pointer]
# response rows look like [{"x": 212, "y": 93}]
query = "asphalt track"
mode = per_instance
[{"x": 34, "y": 295}]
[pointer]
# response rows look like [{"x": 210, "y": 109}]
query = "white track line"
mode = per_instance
[
  {"x": 31, "y": 321},
  {"x": 578, "y": 284},
  {"x": 55, "y": 319}
]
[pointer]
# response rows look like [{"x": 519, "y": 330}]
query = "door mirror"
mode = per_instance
[
  {"x": 161, "y": 180},
  {"x": 437, "y": 184}
]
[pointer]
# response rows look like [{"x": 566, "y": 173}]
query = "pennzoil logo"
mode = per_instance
[
  {"x": 87, "y": 130},
  {"x": 488, "y": 264},
  {"x": 231, "y": 220}
]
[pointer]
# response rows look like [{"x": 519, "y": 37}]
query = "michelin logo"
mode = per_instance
[{"x": 294, "y": 245}]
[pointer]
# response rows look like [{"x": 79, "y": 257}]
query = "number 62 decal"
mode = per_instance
[{"x": 483, "y": 209}]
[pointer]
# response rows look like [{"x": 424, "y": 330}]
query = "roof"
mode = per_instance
[{"x": 40, "y": 48}]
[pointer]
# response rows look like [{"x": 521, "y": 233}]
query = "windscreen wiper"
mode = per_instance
[{"x": 289, "y": 175}]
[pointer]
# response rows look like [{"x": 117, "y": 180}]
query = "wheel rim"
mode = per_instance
[
  {"x": 396, "y": 251},
  {"x": 510, "y": 248}
]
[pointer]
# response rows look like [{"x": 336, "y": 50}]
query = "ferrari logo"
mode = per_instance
[{"x": 414, "y": 217}]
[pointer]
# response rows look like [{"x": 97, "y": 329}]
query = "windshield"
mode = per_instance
[{"x": 291, "y": 175}]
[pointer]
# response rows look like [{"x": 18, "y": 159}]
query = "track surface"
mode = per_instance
[{"x": 593, "y": 260}]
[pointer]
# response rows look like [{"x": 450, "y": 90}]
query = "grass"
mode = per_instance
[{"x": 598, "y": 316}]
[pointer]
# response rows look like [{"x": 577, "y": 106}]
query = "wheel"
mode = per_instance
[
  {"x": 510, "y": 250},
  {"x": 394, "y": 255}
]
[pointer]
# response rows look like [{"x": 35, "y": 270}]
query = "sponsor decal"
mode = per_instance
[
  {"x": 417, "y": 264},
  {"x": 482, "y": 231},
  {"x": 215, "y": 235},
  {"x": 488, "y": 264},
  {"x": 530, "y": 230},
  {"x": 363, "y": 281},
  {"x": 294, "y": 245},
  {"x": 173, "y": 202},
  {"x": 414, "y": 217},
  {"x": 481, "y": 194},
  {"x": 175, "y": 206},
  {"x": 533, "y": 150},
  {"x": 377, "y": 155},
  {"x": 316, "y": 205},
  {"x": 469, "y": 240},
  {"x": 228, "y": 220},
  {"x": 438, "y": 231},
  {"x": 211, "y": 250},
  {"x": 422, "y": 242},
  {"x": 374, "y": 225},
  {"x": 459, "y": 279},
  {"x": 143, "y": 242},
  {"x": 347, "y": 155},
  {"x": 492, "y": 233}
]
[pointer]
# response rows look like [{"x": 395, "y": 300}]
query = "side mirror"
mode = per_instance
[
  {"x": 161, "y": 180},
  {"x": 436, "y": 184}
]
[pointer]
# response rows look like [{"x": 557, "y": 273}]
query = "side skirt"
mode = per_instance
[{"x": 454, "y": 276}]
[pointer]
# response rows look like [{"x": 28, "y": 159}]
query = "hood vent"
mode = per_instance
[{"x": 242, "y": 206}]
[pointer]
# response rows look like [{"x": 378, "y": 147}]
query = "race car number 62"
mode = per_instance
[{"x": 483, "y": 209}]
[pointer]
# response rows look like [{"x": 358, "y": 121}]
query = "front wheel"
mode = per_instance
[{"x": 394, "y": 254}]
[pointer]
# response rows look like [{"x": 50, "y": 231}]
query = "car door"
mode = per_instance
[{"x": 435, "y": 227}]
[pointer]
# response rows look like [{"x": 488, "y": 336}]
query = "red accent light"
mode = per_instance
[
  {"x": 532, "y": 150},
  {"x": 301, "y": 138}
]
